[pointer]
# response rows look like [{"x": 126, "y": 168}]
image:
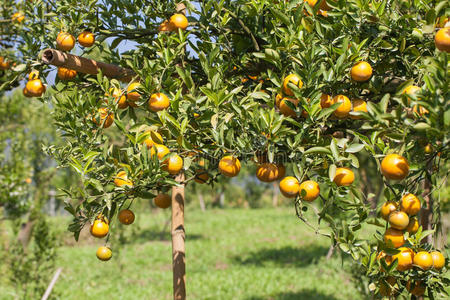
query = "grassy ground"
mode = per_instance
[{"x": 231, "y": 254}]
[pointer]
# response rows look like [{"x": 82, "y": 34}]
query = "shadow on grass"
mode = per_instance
[
  {"x": 301, "y": 295},
  {"x": 287, "y": 256},
  {"x": 155, "y": 234}
]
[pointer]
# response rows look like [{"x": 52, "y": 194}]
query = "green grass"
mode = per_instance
[{"x": 231, "y": 254}]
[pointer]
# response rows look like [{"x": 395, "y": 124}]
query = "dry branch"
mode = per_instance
[{"x": 85, "y": 65}]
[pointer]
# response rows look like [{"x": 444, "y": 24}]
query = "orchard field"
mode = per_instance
[
  {"x": 233, "y": 254},
  {"x": 224, "y": 149}
]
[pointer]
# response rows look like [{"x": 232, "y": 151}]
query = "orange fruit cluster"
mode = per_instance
[{"x": 65, "y": 41}]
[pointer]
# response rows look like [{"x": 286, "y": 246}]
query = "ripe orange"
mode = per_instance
[
  {"x": 66, "y": 74},
  {"x": 163, "y": 200},
  {"x": 159, "y": 150},
  {"x": 122, "y": 179},
  {"x": 153, "y": 138},
  {"x": 104, "y": 114},
  {"x": 358, "y": 105},
  {"x": 398, "y": 220},
  {"x": 65, "y": 41},
  {"x": 281, "y": 171},
  {"x": 229, "y": 166},
  {"x": 395, "y": 167},
  {"x": 18, "y": 17},
  {"x": 100, "y": 228},
  {"x": 294, "y": 79},
  {"x": 4, "y": 63},
  {"x": 104, "y": 253},
  {"x": 267, "y": 172},
  {"x": 165, "y": 26},
  {"x": 423, "y": 260},
  {"x": 417, "y": 288},
  {"x": 173, "y": 164},
  {"x": 278, "y": 98},
  {"x": 158, "y": 102},
  {"x": 344, "y": 109},
  {"x": 420, "y": 110},
  {"x": 201, "y": 176},
  {"x": 387, "y": 259},
  {"x": 387, "y": 208},
  {"x": 285, "y": 109},
  {"x": 133, "y": 95},
  {"x": 411, "y": 90},
  {"x": 438, "y": 260},
  {"x": 442, "y": 39},
  {"x": 178, "y": 21},
  {"x": 395, "y": 237},
  {"x": 326, "y": 101},
  {"x": 311, "y": 188},
  {"x": 410, "y": 204},
  {"x": 428, "y": 148},
  {"x": 344, "y": 177},
  {"x": 33, "y": 75},
  {"x": 323, "y": 4},
  {"x": 289, "y": 187},
  {"x": 86, "y": 39},
  {"x": 119, "y": 97},
  {"x": 404, "y": 258},
  {"x": 413, "y": 226},
  {"x": 26, "y": 93},
  {"x": 361, "y": 71},
  {"x": 126, "y": 217},
  {"x": 35, "y": 88}
]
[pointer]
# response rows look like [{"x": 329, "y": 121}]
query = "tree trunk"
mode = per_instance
[
  {"x": 201, "y": 201},
  {"x": 330, "y": 251},
  {"x": 178, "y": 239},
  {"x": 275, "y": 193},
  {"x": 178, "y": 231},
  {"x": 367, "y": 188},
  {"x": 26, "y": 230},
  {"x": 217, "y": 199},
  {"x": 222, "y": 200},
  {"x": 426, "y": 214}
]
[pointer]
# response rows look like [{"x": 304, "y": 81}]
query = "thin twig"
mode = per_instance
[{"x": 246, "y": 29}]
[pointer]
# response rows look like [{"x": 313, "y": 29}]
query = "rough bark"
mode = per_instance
[
  {"x": 178, "y": 241},
  {"x": 85, "y": 65}
]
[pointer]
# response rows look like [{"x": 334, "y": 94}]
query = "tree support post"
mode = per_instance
[
  {"x": 178, "y": 231},
  {"x": 178, "y": 239}
]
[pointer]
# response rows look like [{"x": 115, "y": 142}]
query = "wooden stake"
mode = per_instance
[
  {"x": 49, "y": 289},
  {"x": 85, "y": 65},
  {"x": 178, "y": 231},
  {"x": 178, "y": 238}
]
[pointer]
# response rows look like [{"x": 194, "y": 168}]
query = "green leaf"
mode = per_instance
[
  {"x": 317, "y": 150},
  {"x": 421, "y": 126},
  {"x": 354, "y": 148},
  {"x": 281, "y": 16},
  {"x": 334, "y": 150}
]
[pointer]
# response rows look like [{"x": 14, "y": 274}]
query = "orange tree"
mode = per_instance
[{"x": 308, "y": 85}]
